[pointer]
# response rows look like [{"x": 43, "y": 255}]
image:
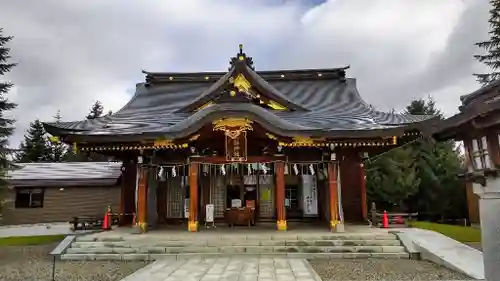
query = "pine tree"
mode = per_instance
[
  {"x": 492, "y": 47},
  {"x": 6, "y": 124},
  {"x": 57, "y": 148},
  {"x": 96, "y": 110},
  {"x": 36, "y": 146}
]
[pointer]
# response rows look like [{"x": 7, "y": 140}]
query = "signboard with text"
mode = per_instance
[{"x": 236, "y": 147}]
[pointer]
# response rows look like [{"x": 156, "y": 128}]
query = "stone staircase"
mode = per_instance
[{"x": 324, "y": 245}]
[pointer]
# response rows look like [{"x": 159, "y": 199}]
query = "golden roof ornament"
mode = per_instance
[{"x": 241, "y": 57}]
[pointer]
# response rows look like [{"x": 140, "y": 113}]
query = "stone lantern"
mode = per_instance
[{"x": 478, "y": 126}]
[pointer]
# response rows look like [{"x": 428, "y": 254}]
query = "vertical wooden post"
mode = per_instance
[
  {"x": 280, "y": 196},
  {"x": 193, "y": 197},
  {"x": 364, "y": 208},
  {"x": 333, "y": 195},
  {"x": 123, "y": 195},
  {"x": 142, "y": 200}
]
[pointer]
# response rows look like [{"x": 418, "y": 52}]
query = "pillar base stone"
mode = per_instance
[
  {"x": 193, "y": 226},
  {"x": 142, "y": 227},
  {"x": 281, "y": 225},
  {"x": 337, "y": 226}
]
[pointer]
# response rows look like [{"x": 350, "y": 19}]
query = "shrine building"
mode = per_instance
[{"x": 244, "y": 146}]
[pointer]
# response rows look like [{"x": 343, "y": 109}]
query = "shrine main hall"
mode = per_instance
[{"x": 243, "y": 147}]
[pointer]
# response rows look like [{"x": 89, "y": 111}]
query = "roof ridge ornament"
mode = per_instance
[{"x": 241, "y": 57}]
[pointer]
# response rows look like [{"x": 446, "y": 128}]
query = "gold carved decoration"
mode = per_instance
[
  {"x": 270, "y": 136},
  {"x": 233, "y": 127},
  {"x": 241, "y": 83},
  {"x": 302, "y": 141},
  {"x": 205, "y": 105},
  {"x": 276, "y": 106},
  {"x": 195, "y": 137},
  {"x": 163, "y": 143}
]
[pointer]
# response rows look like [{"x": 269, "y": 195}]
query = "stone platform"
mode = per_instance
[{"x": 123, "y": 244}]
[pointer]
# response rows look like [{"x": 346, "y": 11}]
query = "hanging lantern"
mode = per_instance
[
  {"x": 311, "y": 169},
  {"x": 223, "y": 170},
  {"x": 295, "y": 169}
]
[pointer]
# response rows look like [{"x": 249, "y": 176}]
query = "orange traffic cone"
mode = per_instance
[
  {"x": 107, "y": 220},
  {"x": 385, "y": 220}
]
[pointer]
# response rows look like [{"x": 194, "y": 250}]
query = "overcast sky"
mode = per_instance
[{"x": 72, "y": 53}]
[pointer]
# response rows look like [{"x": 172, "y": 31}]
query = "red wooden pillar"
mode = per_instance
[
  {"x": 142, "y": 200},
  {"x": 364, "y": 208},
  {"x": 193, "y": 197},
  {"x": 333, "y": 195},
  {"x": 280, "y": 196}
]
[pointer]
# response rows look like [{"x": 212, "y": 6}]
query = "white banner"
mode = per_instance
[
  {"x": 209, "y": 213},
  {"x": 250, "y": 180},
  {"x": 186, "y": 207},
  {"x": 309, "y": 195}
]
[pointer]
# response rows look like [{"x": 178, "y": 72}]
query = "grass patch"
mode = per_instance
[
  {"x": 462, "y": 234},
  {"x": 30, "y": 240}
]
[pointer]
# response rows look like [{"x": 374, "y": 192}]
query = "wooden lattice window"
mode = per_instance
[{"x": 479, "y": 154}]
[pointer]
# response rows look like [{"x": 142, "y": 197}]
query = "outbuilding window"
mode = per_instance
[
  {"x": 480, "y": 156},
  {"x": 29, "y": 198}
]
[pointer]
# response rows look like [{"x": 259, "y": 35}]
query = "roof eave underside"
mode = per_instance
[
  {"x": 266, "y": 119},
  {"x": 469, "y": 99},
  {"x": 448, "y": 127}
]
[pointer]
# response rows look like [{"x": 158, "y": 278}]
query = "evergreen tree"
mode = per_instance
[
  {"x": 36, "y": 146},
  {"x": 421, "y": 176},
  {"x": 58, "y": 150},
  {"x": 6, "y": 124},
  {"x": 491, "y": 46},
  {"x": 96, "y": 110}
]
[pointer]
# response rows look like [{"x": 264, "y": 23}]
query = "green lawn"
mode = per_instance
[
  {"x": 462, "y": 234},
  {"x": 30, "y": 240}
]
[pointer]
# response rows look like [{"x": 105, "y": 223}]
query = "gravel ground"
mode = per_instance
[
  {"x": 27, "y": 263},
  {"x": 380, "y": 269}
]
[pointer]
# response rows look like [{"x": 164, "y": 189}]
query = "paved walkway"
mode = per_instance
[
  {"x": 37, "y": 229},
  {"x": 227, "y": 269}
]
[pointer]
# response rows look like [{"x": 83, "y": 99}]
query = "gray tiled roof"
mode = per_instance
[
  {"x": 332, "y": 105},
  {"x": 65, "y": 174}
]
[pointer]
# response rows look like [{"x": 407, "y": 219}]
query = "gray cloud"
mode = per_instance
[{"x": 71, "y": 53}]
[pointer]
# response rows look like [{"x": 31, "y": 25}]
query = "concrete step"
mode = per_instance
[
  {"x": 238, "y": 249},
  {"x": 329, "y": 245},
  {"x": 152, "y": 257},
  {"x": 221, "y": 243},
  {"x": 195, "y": 237}
]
